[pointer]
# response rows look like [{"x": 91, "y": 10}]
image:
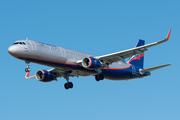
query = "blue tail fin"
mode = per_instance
[{"x": 138, "y": 60}]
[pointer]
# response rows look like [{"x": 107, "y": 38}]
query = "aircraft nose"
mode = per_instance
[{"x": 12, "y": 50}]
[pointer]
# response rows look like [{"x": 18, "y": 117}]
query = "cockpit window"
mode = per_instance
[
  {"x": 15, "y": 43},
  {"x": 21, "y": 43}
]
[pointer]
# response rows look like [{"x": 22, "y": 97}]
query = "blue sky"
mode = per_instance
[{"x": 98, "y": 27}]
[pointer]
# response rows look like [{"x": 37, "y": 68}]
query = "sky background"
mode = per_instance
[{"x": 97, "y": 27}]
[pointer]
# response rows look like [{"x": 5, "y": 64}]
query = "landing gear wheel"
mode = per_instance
[
  {"x": 101, "y": 76},
  {"x": 68, "y": 85},
  {"x": 27, "y": 70},
  {"x": 97, "y": 78}
]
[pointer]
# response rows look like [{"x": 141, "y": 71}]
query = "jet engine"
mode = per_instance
[
  {"x": 44, "y": 76},
  {"x": 91, "y": 63}
]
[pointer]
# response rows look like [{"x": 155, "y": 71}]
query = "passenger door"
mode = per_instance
[{"x": 33, "y": 45}]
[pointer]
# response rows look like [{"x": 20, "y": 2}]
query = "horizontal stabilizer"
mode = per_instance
[
  {"x": 27, "y": 76},
  {"x": 153, "y": 68}
]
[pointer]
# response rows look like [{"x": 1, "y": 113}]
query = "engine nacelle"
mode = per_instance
[
  {"x": 44, "y": 76},
  {"x": 91, "y": 63}
]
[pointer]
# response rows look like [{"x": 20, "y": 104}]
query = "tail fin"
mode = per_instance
[{"x": 138, "y": 60}]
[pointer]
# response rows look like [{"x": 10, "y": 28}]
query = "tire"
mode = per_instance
[
  {"x": 70, "y": 84},
  {"x": 97, "y": 78},
  {"x": 66, "y": 86},
  {"x": 101, "y": 76}
]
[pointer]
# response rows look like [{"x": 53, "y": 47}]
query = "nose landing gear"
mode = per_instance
[{"x": 27, "y": 69}]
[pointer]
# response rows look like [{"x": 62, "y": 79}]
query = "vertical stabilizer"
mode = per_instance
[{"x": 138, "y": 60}]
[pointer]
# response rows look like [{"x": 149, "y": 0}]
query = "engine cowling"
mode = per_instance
[
  {"x": 91, "y": 63},
  {"x": 44, "y": 76}
]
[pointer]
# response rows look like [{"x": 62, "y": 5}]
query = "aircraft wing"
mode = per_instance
[
  {"x": 61, "y": 73},
  {"x": 56, "y": 72},
  {"x": 114, "y": 57}
]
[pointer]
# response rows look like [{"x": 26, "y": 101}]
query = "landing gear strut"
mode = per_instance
[{"x": 27, "y": 69}]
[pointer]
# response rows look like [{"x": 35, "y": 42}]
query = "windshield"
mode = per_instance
[{"x": 21, "y": 43}]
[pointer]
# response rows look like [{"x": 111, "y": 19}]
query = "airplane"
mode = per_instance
[{"x": 70, "y": 63}]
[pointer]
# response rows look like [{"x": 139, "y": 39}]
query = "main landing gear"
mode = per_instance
[
  {"x": 68, "y": 84},
  {"x": 27, "y": 69},
  {"x": 99, "y": 77}
]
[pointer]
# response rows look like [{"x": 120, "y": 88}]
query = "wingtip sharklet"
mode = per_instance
[
  {"x": 168, "y": 36},
  {"x": 27, "y": 75}
]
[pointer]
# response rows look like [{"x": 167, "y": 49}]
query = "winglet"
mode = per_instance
[
  {"x": 168, "y": 36},
  {"x": 27, "y": 76}
]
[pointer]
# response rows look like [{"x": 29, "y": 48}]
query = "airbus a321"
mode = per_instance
[{"x": 69, "y": 63}]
